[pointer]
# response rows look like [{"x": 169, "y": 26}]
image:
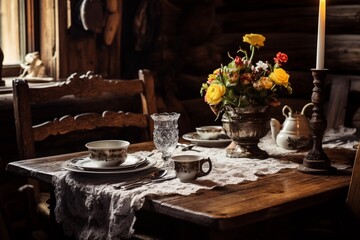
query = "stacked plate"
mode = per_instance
[
  {"x": 133, "y": 163},
  {"x": 208, "y": 136}
]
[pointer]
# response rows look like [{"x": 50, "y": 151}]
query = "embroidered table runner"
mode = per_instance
[{"x": 90, "y": 208}]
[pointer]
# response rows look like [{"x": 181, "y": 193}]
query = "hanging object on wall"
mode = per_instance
[
  {"x": 92, "y": 15},
  {"x": 100, "y": 17},
  {"x": 111, "y": 27},
  {"x": 146, "y": 23}
]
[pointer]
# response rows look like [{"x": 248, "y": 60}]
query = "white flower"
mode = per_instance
[{"x": 260, "y": 65}]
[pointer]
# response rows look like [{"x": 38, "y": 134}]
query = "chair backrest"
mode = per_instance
[
  {"x": 353, "y": 198},
  {"x": 87, "y": 86}
]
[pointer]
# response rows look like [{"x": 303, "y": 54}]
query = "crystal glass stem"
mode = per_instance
[{"x": 166, "y": 135}]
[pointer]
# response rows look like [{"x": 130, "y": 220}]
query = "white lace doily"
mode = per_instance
[{"x": 90, "y": 208}]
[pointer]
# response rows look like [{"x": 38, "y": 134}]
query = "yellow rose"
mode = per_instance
[
  {"x": 280, "y": 77},
  {"x": 214, "y": 94},
  {"x": 212, "y": 77},
  {"x": 256, "y": 40}
]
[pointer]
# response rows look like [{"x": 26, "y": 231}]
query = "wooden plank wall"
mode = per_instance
[
  {"x": 68, "y": 49},
  {"x": 183, "y": 41},
  {"x": 194, "y": 38},
  {"x": 292, "y": 27}
]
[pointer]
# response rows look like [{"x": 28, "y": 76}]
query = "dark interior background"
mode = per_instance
[{"x": 182, "y": 41}]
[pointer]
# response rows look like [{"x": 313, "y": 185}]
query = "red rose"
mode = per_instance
[{"x": 281, "y": 58}]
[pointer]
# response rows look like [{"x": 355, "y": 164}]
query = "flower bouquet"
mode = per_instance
[
  {"x": 240, "y": 83},
  {"x": 244, "y": 91}
]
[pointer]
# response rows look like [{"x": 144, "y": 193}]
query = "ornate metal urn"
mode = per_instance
[{"x": 246, "y": 126}]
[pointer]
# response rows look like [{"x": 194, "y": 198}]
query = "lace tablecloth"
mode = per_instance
[{"x": 90, "y": 208}]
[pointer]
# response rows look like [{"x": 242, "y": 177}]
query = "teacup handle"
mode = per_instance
[{"x": 202, "y": 162}]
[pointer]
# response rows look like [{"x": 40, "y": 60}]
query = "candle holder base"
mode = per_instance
[
  {"x": 318, "y": 166},
  {"x": 315, "y": 171}
]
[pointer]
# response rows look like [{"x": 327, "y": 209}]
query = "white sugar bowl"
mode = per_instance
[{"x": 210, "y": 132}]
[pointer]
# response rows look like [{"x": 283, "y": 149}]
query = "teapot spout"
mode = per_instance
[{"x": 275, "y": 128}]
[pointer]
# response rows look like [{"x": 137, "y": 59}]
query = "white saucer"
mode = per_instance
[
  {"x": 148, "y": 164},
  {"x": 84, "y": 162},
  {"x": 194, "y": 137}
]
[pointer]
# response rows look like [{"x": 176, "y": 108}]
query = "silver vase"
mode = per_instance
[{"x": 246, "y": 126}]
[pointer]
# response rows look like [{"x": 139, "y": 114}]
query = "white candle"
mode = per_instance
[{"x": 320, "y": 53}]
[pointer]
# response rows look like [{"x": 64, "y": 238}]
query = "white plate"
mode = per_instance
[
  {"x": 148, "y": 164},
  {"x": 195, "y": 138},
  {"x": 85, "y": 162}
]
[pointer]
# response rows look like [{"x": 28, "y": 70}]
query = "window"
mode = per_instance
[{"x": 13, "y": 34}]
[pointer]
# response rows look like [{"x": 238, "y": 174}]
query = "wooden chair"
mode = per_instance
[
  {"x": 353, "y": 197},
  {"x": 343, "y": 107},
  {"x": 341, "y": 221},
  {"x": 88, "y": 86},
  {"x": 77, "y": 123}
]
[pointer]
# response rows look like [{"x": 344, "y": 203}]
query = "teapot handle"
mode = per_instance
[
  {"x": 288, "y": 108},
  {"x": 304, "y": 108}
]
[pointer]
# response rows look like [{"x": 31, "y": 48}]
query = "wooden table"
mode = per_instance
[{"x": 274, "y": 204}]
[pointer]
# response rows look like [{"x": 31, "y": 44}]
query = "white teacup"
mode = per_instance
[
  {"x": 189, "y": 167},
  {"x": 107, "y": 153}
]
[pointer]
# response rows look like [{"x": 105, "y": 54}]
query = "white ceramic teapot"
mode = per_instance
[{"x": 295, "y": 133}]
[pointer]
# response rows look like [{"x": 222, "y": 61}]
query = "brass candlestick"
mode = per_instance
[{"x": 316, "y": 161}]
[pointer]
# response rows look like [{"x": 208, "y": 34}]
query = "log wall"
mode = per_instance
[
  {"x": 182, "y": 41},
  {"x": 193, "y": 37}
]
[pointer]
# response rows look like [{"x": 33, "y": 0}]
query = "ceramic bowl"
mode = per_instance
[
  {"x": 210, "y": 132},
  {"x": 107, "y": 153}
]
